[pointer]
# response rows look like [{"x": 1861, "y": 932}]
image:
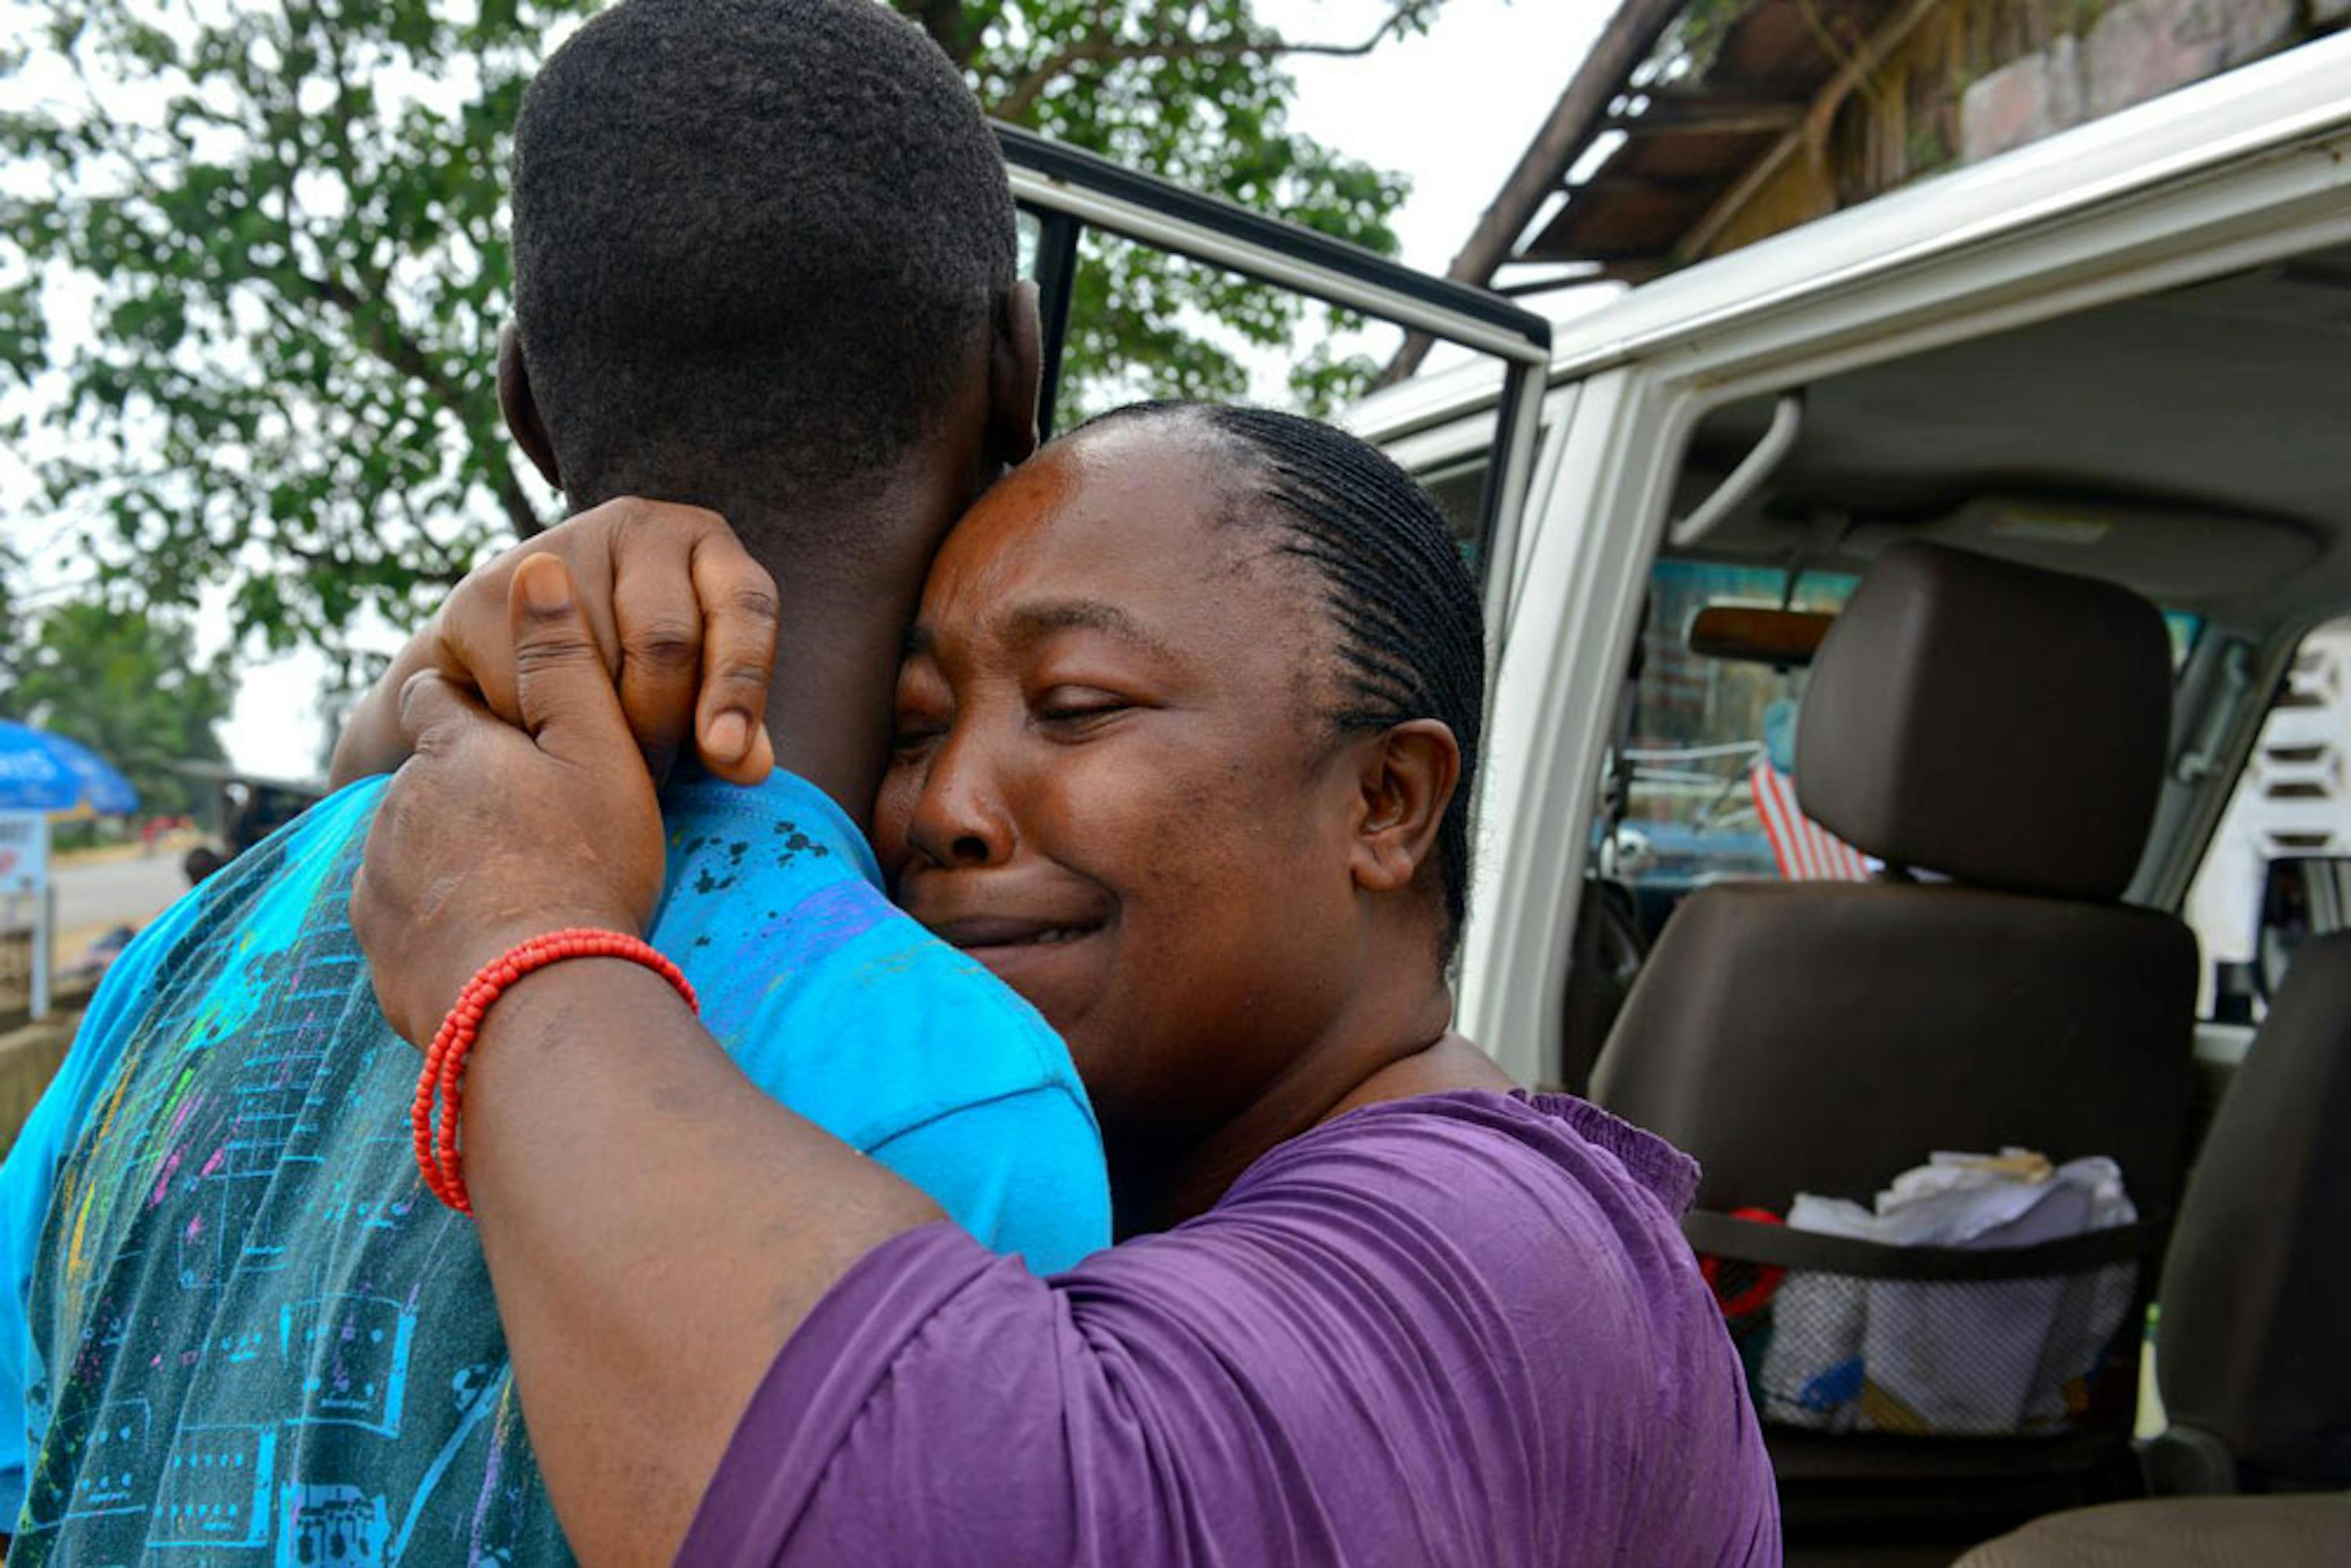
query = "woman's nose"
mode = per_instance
[{"x": 958, "y": 821}]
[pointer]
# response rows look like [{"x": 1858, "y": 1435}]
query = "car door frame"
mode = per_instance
[{"x": 1069, "y": 191}]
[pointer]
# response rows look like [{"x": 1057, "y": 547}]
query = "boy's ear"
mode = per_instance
[
  {"x": 521, "y": 408},
  {"x": 1404, "y": 781},
  {"x": 1015, "y": 366}
]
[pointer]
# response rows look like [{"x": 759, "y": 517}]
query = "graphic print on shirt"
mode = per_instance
[{"x": 245, "y": 1236}]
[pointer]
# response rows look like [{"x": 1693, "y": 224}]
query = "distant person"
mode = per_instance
[
  {"x": 765, "y": 263},
  {"x": 1186, "y": 742},
  {"x": 200, "y": 863}
]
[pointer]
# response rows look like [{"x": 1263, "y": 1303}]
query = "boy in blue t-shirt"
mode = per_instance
[{"x": 237, "y": 1319}]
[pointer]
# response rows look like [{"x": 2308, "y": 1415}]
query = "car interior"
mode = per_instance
[{"x": 2002, "y": 621}]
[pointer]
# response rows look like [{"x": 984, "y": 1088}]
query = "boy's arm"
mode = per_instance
[
  {"x": 905, "y": 1049},
  {"x": 895, "y": 1044}
]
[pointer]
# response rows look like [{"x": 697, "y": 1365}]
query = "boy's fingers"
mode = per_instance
[
  {"x": 560, "y": 683},
  {"x": 739, "y": 615}
]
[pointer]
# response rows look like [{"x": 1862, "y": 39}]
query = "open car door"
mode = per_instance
[{"x": 1064, "y": 192}]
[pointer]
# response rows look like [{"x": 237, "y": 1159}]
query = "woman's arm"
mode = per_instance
[
  {"x": 653, "y": 1243},
  {"x": 683, "y": 619},
  {"x": 656, "y": 1227}
]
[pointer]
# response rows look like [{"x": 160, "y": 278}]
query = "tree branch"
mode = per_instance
[
  {"x": 511, "y": 496},
  {"x": 1099, "y": 50},
  {"x": 383, "y": 337},
  {"x": 396, "y": 348},
  {"x": 453, "y": 567}
]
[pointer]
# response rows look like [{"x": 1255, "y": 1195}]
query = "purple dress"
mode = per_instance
[{"x": 1462, "y": 1328}]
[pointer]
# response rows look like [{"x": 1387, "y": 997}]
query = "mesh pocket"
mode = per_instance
[{"x": 1840, "y": 1353}]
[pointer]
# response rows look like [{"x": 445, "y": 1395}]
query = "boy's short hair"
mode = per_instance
[{"x": 750, "y": 232}]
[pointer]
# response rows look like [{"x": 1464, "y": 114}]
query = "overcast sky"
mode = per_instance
[{"x": 1453, "y": 110}]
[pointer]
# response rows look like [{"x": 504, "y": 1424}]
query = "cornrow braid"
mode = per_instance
[{"x": 1411, "y": 634}]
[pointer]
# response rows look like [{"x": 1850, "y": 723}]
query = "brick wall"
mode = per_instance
[
  {"x": 2133, "y": 51},
  {"x": 1978, "y": 78}
]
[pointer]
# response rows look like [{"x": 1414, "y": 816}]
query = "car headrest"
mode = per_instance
[{"x": 1999, "y": 724}]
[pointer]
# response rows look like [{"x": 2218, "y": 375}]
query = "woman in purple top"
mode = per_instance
[{"x": 1187, "y": 730}]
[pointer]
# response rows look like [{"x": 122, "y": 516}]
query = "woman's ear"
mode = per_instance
[
  {"x": 1014, "y": 365},
  {"x": 521, "y": 407},
  {"x": 1406, "y": 781}
]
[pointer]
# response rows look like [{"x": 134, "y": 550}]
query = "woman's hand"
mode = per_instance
[
  {"x": 682, "y": 619},
  {"x": 491, "y": 833}
]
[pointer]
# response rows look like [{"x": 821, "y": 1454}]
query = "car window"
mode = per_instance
[
  {"x": 2185, "y": 630},
  {"x": 2293, "y": 801},
  {"x": 1459, "y": 490}
]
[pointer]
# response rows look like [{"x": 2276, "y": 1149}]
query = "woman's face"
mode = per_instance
[{"x": 1109, "y": 786}]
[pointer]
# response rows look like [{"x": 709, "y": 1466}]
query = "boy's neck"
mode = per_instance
[
  {"x": 845, "y": 614},
  {"x": 830, "y": 704}
]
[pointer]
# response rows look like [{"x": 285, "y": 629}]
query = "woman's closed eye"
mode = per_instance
[
  {"x": 913, "y": 734},
  {"x": 1079, "y": 709}
]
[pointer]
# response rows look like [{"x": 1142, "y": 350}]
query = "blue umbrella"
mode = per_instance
[{"x": 44, "y": 772}]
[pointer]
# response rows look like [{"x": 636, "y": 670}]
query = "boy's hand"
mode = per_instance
[{"x": 683, "y": 617}]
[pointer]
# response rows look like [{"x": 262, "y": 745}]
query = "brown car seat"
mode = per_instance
[
  {"x": 2181, "y": 1533},
  {"x": 2255, "y": 1344},
  {"x": 2004, "y": 728},
  {"x": 2255, "y": 1350}
]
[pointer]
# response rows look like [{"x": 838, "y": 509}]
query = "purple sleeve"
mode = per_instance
[{"x": 1457, "y": 1329}]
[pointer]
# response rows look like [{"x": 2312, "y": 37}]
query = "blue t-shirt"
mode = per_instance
[{"x": 236, "y": 1322}]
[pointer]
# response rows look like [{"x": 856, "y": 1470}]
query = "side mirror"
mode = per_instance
[{"x": 2302, "y": 897}]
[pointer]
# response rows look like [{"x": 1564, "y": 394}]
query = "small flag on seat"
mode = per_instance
[{"x": 1806, "y": 851}]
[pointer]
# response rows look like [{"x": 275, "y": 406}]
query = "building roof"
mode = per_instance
[
  {"x": 1677, "y": 139},
  {"x": 1681, "y": 108}
]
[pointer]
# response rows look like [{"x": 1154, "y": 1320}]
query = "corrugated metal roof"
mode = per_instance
[{"x": 1689, "y": 123}]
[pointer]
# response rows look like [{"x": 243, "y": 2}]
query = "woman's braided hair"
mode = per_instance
[{"x": 1410, "y": 630}]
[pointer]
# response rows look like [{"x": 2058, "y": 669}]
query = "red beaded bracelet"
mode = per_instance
[{"x": 445, "y": 1058}]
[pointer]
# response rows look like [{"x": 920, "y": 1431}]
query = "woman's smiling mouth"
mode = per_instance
[
  {"x": 989, "y": 936},
  {"x": 1053, "y": 961}
]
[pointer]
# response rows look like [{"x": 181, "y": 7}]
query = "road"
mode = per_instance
[{"x": 117, "y": 891}]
